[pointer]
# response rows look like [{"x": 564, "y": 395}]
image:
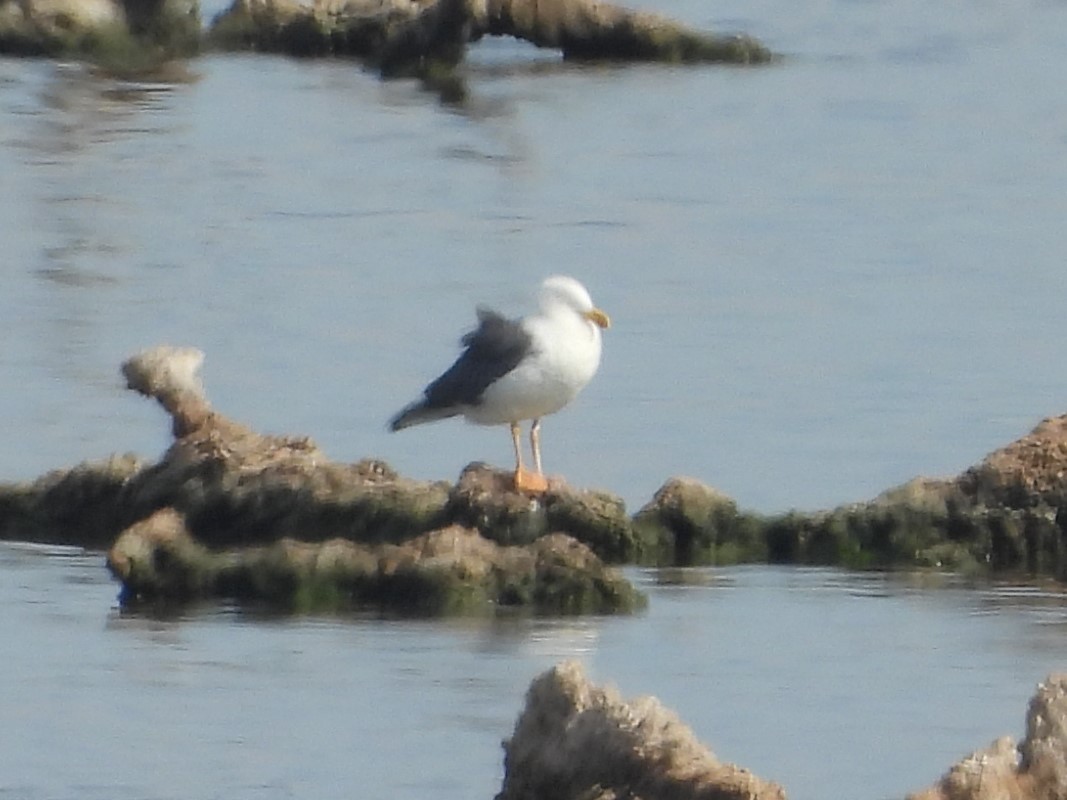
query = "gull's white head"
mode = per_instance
[{"x": 563, "y": 291}]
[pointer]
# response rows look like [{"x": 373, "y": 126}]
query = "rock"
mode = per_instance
[
  {"x": 1044, "y": 750},
  {"x": 932, "y": 495},
  {"x": 157, "y": 558},
  {"x": 84, "y": 505},
  {"x": 1036, "y": 770},
  {"x": 446, "y": 571},
  {"x": 1008, "y": 513},
  {"x": 1030, "y": 471},
  {"x": 989, "y": 774},
  {"x": 577, "y": 741},
  {"x": 402, "y": 35},
  {"x": 688, "y": 522},
  {"x": 278, "y": 488},
  {"x": 129, "y": 38},
  {"x": 236, "y": 487},
  {"x": 592, "y": 29},
  {"x": 171, "y": 375},
  {"x": 38, "y": 27},
  {"x": 485, "y": 498}
]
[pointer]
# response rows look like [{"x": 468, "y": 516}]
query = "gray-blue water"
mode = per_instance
[
  {"x": 826, "y": 277},
  {"x": 835, "y": 684}
]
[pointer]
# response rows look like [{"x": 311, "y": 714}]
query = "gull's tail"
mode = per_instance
[{"x": 419, "y": 412}]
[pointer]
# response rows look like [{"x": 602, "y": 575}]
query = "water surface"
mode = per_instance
[
  {"x": 835, "y": 684},
  {"x": 826, "y": 276}
]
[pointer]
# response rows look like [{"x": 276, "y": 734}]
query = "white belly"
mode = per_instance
[{"x": 565, "y": 361}]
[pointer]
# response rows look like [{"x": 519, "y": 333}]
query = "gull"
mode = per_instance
[{"x": 511, "y": 371}]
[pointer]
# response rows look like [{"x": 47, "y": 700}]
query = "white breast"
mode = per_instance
[{"x": 565, "y": 357}]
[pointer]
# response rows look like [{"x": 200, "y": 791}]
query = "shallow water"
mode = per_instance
[
  {"x": 826, "y": 276},
  {"x": 836, "y": 684}
]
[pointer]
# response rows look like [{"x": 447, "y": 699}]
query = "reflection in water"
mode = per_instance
[
  {"x": 687, "y": 576},
  {"x": 76, "y": 149}
]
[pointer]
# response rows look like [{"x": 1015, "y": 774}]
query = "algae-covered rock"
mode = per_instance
[
  {"x": 486, "y": 499},
  {"x": 1008, "y": 513},
  {"x": 899, "y": 534},
  {"x": 132, "y": 37},
  {"x": 235, "y": 485},
  {"x": 577, "y": 741},
  {"x": 157, "y": 558},
  {"x": 231, "y": 501},
  {"x": 592, "y": 29},
  {"x": 1035, "y": 770},
  {"x": 688, "y": 522},
  {"x": 397, "y": 34},
  {"x": 446, "y": 571},
  {"x": 54, "y": 27},
  {"x": 84, "y": 505}
]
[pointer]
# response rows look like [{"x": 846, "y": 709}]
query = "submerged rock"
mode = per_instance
[
  {"x": 446, "y": 571},
  {"x": 1035, "y": 770},
  {"x": 577, "y": 741}
]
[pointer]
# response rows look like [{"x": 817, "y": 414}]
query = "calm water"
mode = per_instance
[
  {"x": 826, "y": 277},
  {"x": 837, "y": 685}
]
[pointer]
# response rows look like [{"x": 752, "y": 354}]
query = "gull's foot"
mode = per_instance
[{"x": 530, "y": 482}]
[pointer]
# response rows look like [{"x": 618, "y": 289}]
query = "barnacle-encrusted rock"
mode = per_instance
[
  {"x": 1035, "y": 770},
  {"x": 578, "y": 741}
]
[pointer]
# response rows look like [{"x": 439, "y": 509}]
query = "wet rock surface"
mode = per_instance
[{"x": 577, "y": 741}]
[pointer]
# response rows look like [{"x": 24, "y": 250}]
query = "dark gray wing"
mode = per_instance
[{"x": 493, "y": 349}]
